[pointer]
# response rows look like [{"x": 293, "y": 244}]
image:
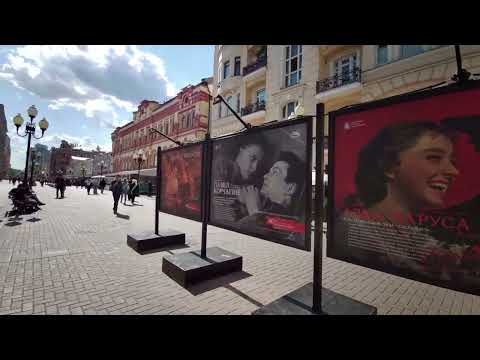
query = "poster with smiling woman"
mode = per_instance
[{"x": 404, "y": 174}]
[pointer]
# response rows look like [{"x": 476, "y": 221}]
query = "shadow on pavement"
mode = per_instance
[
  {"x": 13, "y": 223},
  {"x": 165, "y": 248},
  {"x": 136, "y": 205},
  {"x": 224, "y": 281},
  {"x": 122, "y": 216},
  {"x": 34, "y": 219}
]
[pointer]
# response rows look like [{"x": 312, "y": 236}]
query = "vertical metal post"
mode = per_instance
[
  {"x": 459, "y": 59},
  {"x": 206, "y": 166},
  {"x": 32, "y": 160},
  {"x": 318, "y": 232},
  {"x": 25, "y": 176},
  {"x": 159, "y": 184}
]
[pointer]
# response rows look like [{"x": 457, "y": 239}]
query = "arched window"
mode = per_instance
[{"x": 288, "y": 109}]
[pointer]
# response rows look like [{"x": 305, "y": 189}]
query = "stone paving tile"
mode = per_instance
[{"x": 75, "y": 261}]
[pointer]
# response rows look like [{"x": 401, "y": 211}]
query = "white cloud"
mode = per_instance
[{"x": 97, "y": 80}]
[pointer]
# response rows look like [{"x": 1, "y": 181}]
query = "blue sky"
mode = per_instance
[{"x": 86, "y": 91}]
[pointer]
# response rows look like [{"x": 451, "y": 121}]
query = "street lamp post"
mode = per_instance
[
  {"x": 29, "y": 131},
  {"x": 32, "y": 166},
  {"x": 102, "y": 163},
  {"x": 139, "y": 159}
]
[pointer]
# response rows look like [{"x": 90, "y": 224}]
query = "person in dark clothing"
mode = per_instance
[
  {"x": 14, "y": 180},
  {"x": 102, "y": 185},
  {"x": 116, "y": 188},
  {"x": 60, "y": 185},
  {"x": 150, "y": 188}
]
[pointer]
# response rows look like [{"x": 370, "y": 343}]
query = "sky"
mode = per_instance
[{"x": 86, "y": 91}]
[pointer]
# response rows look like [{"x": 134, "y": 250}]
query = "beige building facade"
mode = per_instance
[{"x": 264, "y": 83}]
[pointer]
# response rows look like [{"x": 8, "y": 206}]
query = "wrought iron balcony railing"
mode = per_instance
[
  {"x": 339, "y": 80},
  {"x": 261, "y": 61},
  {"x": 250, "y": 109}
]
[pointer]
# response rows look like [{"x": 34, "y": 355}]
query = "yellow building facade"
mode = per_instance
[{"x": 265, "y": 82}]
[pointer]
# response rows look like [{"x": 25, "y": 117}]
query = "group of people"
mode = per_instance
[
  {"x": 95, "y": 184},
  {"x": 24, "y": 199},
  {"x": 123, "y": 190}
]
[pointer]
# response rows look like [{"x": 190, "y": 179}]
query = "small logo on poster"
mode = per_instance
[{"x": 353, "y": 124}]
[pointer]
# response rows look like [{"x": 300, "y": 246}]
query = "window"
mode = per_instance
[
  {"x": 238, "y": 103},
  {"x": 167, "y": 130},
  {"x": 219, "y": 110},
  {"x": 344, "y": 69},
  {"x": 382, "y": 54},
  {"x": 261, "y": 96},
  {"x": 412, "y": 50},
  {"x": 293, "y": 64},
  {"x": 236, "y": 70},
  {"x": 288, "y": 109},
  {"x": 229, "y": 102},
  {"x": 226, "y": 69}
]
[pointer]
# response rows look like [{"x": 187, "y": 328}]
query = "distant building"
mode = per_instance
[
  {"x": 4, "y": 144},
  {"x": 42, "y": 156},
  {"x": 61, "y": 158}
]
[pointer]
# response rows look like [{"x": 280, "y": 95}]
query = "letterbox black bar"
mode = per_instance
[
  {"x": 169, "y": 138},
  {"x": 318, "y": 232},
  {"x": 159, "y": 184},
  {"x": 247, "y": 126}
]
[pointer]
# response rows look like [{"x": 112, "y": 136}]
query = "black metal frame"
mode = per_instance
[
  {"x": 308, "y": 183},
  {"x": 159, "y": 190},
  {"x": 456, "y": 87}
]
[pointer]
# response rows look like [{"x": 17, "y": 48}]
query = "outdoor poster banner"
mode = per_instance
[
  {"x": 181, "y": 175},
  {"x": 405, "y": 178},
  {"x": 261, "y": 183}
]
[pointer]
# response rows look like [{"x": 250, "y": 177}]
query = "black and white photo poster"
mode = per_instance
[{"x": 261, "y": 181}]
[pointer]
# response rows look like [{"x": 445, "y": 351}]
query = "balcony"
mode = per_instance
[
  {"x": 250, "y": 109},
  {"x": 337, "y": 81},
  {"x": 261, "y": 62}
]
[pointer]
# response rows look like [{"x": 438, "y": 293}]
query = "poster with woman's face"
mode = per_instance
[
  {"x": 181, "y": 182},
  {"x": 405, "y": 180},
  {"x": 259, "y": 183}
]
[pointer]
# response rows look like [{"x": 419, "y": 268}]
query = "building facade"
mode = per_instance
[
  {"x": 183, "y": 118},
  {"x": 61, "y": 159},
  {"x": 266, "y": 82},
  {"x": 4, "y": 144}
]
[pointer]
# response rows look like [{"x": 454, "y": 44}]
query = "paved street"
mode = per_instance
[{"x": 72, "y": 258}]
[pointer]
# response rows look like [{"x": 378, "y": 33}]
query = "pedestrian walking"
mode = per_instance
[
  {"x": 117, "y": 189},
  {"x": 150, "y": 188},
  {"x": 134, "y": 191},
  {"x": 59, "y": 185},
  {"x": 102, "y": 185},
  {"x": 88, "y": 185},
  {"x": 14, "y": 180},
  {"x": 95, "y": 186},
  {"x": 125, "y": 190}
]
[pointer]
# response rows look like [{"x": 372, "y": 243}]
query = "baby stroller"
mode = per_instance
[{"x": 22, "y": 204}]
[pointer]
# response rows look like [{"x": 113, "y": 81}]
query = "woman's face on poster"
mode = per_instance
[
  {"x": 248, "y": 159},
  {"x": 425, "y": 171}
]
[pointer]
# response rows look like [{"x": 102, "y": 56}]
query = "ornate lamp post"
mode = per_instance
[
  {"x": 29, "y": 131},
  {"x": 102, "y": 164},
  {"x": 33, "y": 161},
  {"x": 139, "y": 158}
]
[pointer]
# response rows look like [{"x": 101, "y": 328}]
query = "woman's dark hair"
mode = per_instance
[{"x": 382, "y": 153}]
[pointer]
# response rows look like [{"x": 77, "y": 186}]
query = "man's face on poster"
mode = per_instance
[
  {"x": 275, "y": 186},
  {"x": 248, "y": 159},
  {"x": 425, "y": 171}
]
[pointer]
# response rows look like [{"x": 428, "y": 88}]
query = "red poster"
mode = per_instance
[
  {"x": 181, "y": 181},
  {"x": 405, "y": 185}
]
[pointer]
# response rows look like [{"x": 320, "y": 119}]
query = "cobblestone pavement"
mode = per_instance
[{"x": 72, "y": 258}]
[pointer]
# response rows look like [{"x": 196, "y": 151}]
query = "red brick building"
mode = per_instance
[{"x": 183, "y": 118}]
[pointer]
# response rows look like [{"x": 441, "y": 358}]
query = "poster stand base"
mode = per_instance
[
  {"x": 148, "y": 240},
  {"x": 190, "y": 268},
  {"x": 299, "y": 302}
]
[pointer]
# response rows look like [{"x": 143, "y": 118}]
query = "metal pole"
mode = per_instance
[
  {"x": 31, "y": 167},
  {"x": 318, "y": 232},
  {"x": 206, "y": 182},
  {"x": 159, "y": 184},
  {"x": 26, "y": 160},
  {"x": 247, "y": 126},
  {"x": 459, "y": 59}
]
